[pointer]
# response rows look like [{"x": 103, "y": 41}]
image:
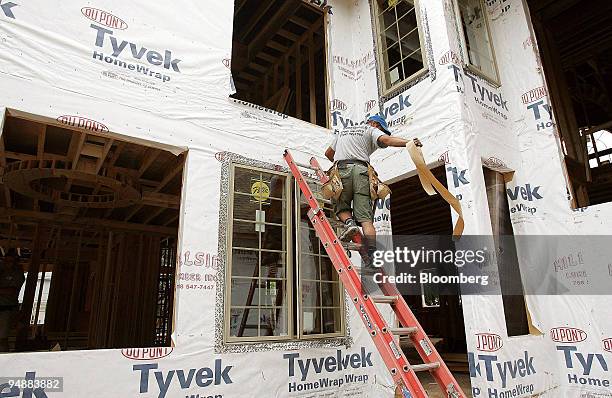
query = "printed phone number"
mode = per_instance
[{"x": 200, "y": 287}]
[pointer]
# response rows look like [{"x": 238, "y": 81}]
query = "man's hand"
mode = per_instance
[{"x": 417, "y": 142}]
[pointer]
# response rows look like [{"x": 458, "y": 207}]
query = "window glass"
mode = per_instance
[
  {"x": 400, "y": 41},
  {"x": 321, "y": 300},
  {"x": 258, "y": 288},
  {"x": 261, "y": 286},
  {"x": 477, "y": 38}
]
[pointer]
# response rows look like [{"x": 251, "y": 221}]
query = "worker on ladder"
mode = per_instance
[{"x": 350, "y": 152}]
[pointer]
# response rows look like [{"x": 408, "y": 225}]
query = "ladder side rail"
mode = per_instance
[
  {"x": 395, "y": 361},
  {"x": 390, "y": 352},
  {"x": 352, "y": 283}
]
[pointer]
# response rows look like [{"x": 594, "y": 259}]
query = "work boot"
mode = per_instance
[{"x": 351, "y": 229}]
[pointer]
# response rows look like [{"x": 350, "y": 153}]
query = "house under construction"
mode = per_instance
[{"x": 166, "y": 247}]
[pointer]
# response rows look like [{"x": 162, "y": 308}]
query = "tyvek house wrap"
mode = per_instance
[{"x": 56, "y": 61}]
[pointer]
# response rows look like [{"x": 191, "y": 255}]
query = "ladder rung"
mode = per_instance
[
  {"x": 403, "y": 331},
  {"x": 425, "y": 366},
  {"x": 306, "y": 166},
  {"x": 384, "y": 299}
]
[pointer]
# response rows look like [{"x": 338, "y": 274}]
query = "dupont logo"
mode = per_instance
[
  {"x": 337, "y": 105},
  {"x": 450, "y": 57},
  {"x": 369, "y": 105},
  {"x": 146, "y": 354},
  {"x": 607, "y": 344},
  {"x": 488, "y": 342},
  {"x": 533, "y": 95},
  {"x": 227, "y": 62},
  {"x": 445, "y": 157},
  {"x": 567, "y": 335},
  {"x": 494, "y": 162},
  {"x": 104, "y": 18},
  {"x": 83, "y": 123}
]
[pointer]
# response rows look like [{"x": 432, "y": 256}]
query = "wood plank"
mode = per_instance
[
  {"x": 271, "y": 27},
  {"x": 154, "y": 214},
  {"x": 298, "y": 81},
  {"x": 40, "y": 150},
  {"x": 161, "y": 200},
  {"x": 311, "y": 79},
  {"x": 86, "y": 223},
  {"x": 76, "y": 151},
  {"x": 300, "y": 21},
  {"x": 288, "y": 35},
  {"x": 105, "y": 150},
  {"x": 29, "y": 291},
  {"x": 255, "y": 18},
  {"x": 277, "y": 46},
  {"x": 267, "y": 57}
]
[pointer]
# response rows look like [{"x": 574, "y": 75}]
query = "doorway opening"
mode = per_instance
[
  {"x": 413, "y": 212},
  {"x": 575, "y": 45},
  {"x": 88, "y": 234}
]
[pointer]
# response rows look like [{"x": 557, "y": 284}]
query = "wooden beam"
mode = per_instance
[
  {"x": 74, "y": 157},
  {"x": 105, "y": 151},
  {"x": 149, "y": 157},
  {"x": 264, "y": 6},
  {"x": 154, "y": 214},
  {"x": 269, "y": 30},
  {"x": 239, "y": 5},
  {"x": 167, "y": 178},
  {"x": 288, "y": 35},
  {"x": 84, "y": 222},
  {"x": 172, "y": 220},
  {"x": 171, "y": 174},
  {"x": 25, "y": 156},
  {"x": 150, "y": 198},
  {"x": 298, "y": 80},
  {"x": 258, "y": 67},
  {"x": 277, "y": 46},
  {"x": 249, "y": 76},
  {"x": 29, "y": 292},
  {"x": 40, "y": 150},
  {"x": 7, "y": 191},
  {"x": 267, "y": 57},
  {"x": 311, "y": 79},
  {"x": 300, "y": 21}
]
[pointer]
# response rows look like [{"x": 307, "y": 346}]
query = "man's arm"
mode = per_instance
[
  {"x": 329, "y": 153},
  {"x": 387, "y": 140}
]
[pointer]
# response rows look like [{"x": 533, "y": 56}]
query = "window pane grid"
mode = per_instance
[
  {"x": 259, "y": 304},
  {"x": 477, "y": 37},
  {"x": 316, "y": 310},
  {"x": 399, "y": 60}
]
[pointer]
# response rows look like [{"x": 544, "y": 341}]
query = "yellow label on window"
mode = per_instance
[{"x": 260, "y": 191}]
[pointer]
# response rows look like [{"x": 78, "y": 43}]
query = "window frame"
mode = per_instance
[
  {"x": 293, "y": 270},
  {"x": 382, "y": 67},
  {"x": 467, "y": 64},
  {"x": 230, "y": 248}
]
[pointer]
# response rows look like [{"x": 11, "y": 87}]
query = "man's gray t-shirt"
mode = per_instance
[{"x": 356, "y": 143}]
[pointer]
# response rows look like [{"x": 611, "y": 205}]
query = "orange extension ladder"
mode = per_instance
[{"x": 403, "y": 373}]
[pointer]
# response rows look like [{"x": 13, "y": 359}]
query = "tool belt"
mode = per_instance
[
  {"x": 378, "y": 190},
  {"x": 333, "y": 188}
]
